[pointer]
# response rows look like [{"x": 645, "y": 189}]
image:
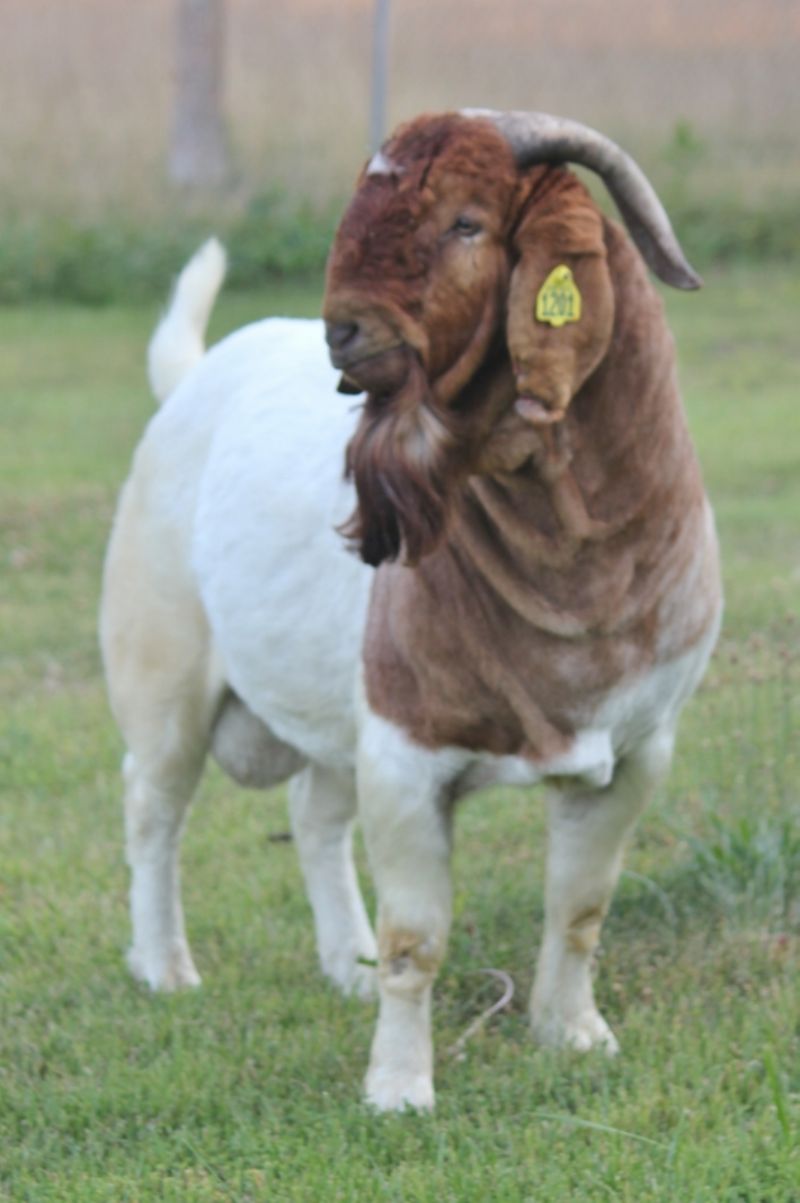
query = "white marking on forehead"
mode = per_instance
[{"x": 380, "y": 165}]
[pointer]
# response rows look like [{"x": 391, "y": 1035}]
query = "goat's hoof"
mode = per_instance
[
  {"x": 355, "y": 978},
  {"x": 582, "y": 1032},
  {"x": 362, "y": 983},
  {"x": 175, "y": 972},
  {"x": 388, "y": 1090}
]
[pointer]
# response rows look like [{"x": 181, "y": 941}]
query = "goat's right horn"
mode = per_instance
[{"x": 541, "y": 138}]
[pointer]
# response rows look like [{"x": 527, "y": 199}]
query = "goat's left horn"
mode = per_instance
[{"x": 539, "y": 137}]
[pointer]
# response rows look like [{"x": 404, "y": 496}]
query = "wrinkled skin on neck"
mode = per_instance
[{"x": 584, "y": 565}]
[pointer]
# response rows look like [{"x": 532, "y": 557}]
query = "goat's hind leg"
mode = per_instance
[
  {"x": 164, "y": 693},
  {"x": 588, "y": 832},
  {"x": 167, "y": 747},
  {"x": 156, "y": 801}
]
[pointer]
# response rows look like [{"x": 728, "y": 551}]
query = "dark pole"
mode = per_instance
[
  {"x": 380, "y": 72},
  {"x": 199, "y": 154}
]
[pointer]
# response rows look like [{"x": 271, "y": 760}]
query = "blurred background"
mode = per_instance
[{"x": 127, "y": 130}]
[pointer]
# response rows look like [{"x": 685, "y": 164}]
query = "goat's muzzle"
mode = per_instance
[
  {"x": 340, "y": 335},
  {"x": 363, "y": 352}
]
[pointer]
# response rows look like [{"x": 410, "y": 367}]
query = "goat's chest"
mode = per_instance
[
  {"x": 463, "y": 679},
  {"x": 456, "y": 665}
]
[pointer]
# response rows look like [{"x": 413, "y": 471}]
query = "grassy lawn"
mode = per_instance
[{"x": 249, "y": 1088}]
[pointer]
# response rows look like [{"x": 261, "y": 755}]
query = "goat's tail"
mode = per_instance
[{"x": 178, "y": 342}]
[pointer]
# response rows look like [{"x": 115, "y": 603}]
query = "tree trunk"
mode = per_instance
[{"x": 199, "y": 156}]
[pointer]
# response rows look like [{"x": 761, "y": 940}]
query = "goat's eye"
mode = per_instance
[{"x": 465, "y": 227}]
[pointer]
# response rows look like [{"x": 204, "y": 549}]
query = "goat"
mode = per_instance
[{"x": 536, "y": 592}]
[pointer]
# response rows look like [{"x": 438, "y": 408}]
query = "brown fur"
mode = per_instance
[
  {"x": 404, "y": 458},
  {"x": 392, "y": 268},
  {"x": 557, "y": 461}
]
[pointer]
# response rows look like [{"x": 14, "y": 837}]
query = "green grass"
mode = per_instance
[
  {"x": 118, "y": 257},
  {"x": 121, "y": 257},
  {"x": 248, "y": 1089}
]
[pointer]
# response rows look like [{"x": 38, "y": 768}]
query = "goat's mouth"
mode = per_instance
[
  {"x": 377, "y": 372},
  {"x": 345, "y": 358}
]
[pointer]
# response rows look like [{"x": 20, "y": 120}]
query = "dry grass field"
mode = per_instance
[{"x": 85, "y": 87}]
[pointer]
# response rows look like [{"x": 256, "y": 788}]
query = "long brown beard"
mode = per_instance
[{"x": 405, "y": 458}]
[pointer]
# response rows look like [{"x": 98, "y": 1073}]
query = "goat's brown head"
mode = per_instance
[{"x": 431, "y": 299}]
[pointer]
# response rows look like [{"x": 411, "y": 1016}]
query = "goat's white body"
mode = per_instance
[
  {"x": 225, "y": 571},
  {"x": 285, "y": 599},
  {"x": 248, "y": 459}
]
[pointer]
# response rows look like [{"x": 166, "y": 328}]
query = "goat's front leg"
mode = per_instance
[
  {"x": 588, "y": 833},
  {"x": 407, "y": 833},
  {"x": 322, "y": 805}
]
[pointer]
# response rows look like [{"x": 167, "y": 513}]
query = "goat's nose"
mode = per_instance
[{"x": 339, "y": 334}]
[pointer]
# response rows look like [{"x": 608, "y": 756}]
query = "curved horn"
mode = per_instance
[{"x": 538, "y": 137}]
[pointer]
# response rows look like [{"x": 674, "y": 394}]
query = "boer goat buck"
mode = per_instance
[{"x": 535, "y": 593}]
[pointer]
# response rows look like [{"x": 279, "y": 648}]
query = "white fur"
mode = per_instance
[
  {"x": 322, "y": 808},
  {"x": 408, "y": 839},
  {"x": 379, "y": 164},
  {"x": 587, "y": 834},
  {"x": 273, "y": 573},
  {"x": 178, "y": 342},
  {"x": 176, "y": 523},
  {"x": 225, "y": 570}
]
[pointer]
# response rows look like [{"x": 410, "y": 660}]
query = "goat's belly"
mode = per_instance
[{"x": 285, "y": 599}]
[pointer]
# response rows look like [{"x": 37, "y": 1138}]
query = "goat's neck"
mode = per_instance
[
  {"x": 577, "y": 523},
  {"x": 621, "y": 455}
]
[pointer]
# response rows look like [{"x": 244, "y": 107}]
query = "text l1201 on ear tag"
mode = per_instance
[{"x": 558, "y": 300}]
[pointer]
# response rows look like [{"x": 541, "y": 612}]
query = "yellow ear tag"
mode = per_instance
[{"x": 558, "y": 300}]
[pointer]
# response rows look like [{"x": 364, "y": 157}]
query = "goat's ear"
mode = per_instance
[{"x": 561, "y": 303}]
